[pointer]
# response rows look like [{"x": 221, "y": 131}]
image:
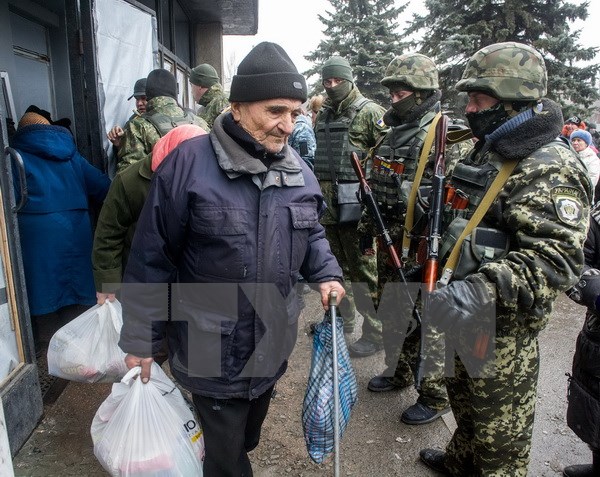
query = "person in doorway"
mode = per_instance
[
  {"x": 54, "y": 224},
  {"x": 230, "y": 220},
  {"x": 139, "y": 93}
]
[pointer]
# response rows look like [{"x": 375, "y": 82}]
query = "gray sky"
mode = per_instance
[{"x": 296, "y": 27}]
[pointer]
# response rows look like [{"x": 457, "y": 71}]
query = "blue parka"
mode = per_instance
[
  {"x": 54, "y": 225},
  {"x": 231, "y": 236}
]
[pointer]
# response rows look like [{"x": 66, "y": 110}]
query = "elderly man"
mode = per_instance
[{"x": 230, "y": 221}]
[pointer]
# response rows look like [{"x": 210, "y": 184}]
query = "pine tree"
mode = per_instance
[
  {"x": 364, "y": 33},
  {"x": 453, "y": 30}
]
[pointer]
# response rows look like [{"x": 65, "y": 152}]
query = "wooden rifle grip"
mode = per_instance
[
  {"x": 481, "y": 345},
  {"x": 430, "y": 274}
]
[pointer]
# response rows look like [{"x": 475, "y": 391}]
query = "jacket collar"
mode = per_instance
[
  {"x": 235, "y": 160},
  {"x": 544, "y": 127}
]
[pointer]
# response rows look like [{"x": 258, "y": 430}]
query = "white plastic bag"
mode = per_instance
[
  {"x": 147, "y": 429},
  {"x": 86, "y": 349}
]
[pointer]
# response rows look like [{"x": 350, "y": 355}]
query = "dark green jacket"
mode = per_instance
[{"x": 116, "y": 224}]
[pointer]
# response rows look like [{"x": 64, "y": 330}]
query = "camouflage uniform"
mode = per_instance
[
  {"x": 214, "y": 102},
  {"x": 141, "y": 135},
  {"x": 402, "y": 147},
  {"x": 359, "y": 265},
  {"x": 303, "y": 139},
  {"x": 543, "y": 209}
]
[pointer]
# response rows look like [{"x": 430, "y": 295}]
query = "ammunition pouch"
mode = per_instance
[
  {"x": 481, "y": 246},
  {"x": 348, "y": 204}
]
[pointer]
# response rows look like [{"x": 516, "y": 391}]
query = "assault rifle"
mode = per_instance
[
  {"x": 436, "y": 207},
  {"x": 369, "y": 200}
]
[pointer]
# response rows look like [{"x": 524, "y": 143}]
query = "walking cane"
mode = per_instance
[{"x": 336, "y": 385}]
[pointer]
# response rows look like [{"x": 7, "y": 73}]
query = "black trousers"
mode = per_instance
[{"x": 231, "y": 430}]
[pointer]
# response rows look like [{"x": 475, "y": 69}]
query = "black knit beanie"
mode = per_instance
[
  {"x": 161, "y": 82},
  {"x": 267, "y": 72}
]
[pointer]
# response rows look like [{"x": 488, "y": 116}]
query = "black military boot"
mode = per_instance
[
  {"x": 382, "y": 384},
  {"x": 363, "y": 348},
  {"x": 586, "y": 470},
  {"x": 434, "y": 459},
  {"x": 420, "y": 414}
]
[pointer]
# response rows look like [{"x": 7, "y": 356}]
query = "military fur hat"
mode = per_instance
[
  {"x": 413, "y": 70},
  {"x": 508, "y": 71}
]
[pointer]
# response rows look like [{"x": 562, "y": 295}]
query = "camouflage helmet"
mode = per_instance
[
  {"x": 413, "y": 69},
  {"x": 509, "y": 71}
]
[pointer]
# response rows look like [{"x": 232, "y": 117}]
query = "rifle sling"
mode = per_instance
[
  {"x": 489, "y": 197},
  {"x": 410, "y": 209}
]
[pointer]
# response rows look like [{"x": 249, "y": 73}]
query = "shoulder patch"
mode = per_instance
[
  {"x": 380, "y": 123},
  {"x": 568, "y": 204}
]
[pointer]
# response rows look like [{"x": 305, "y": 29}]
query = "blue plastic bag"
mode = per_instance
[{"x": 318, "y": 407}]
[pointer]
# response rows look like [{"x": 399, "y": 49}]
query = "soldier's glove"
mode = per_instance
[
  {"x": 460, "y": 302},
  {"x": 587, "y": 290}
]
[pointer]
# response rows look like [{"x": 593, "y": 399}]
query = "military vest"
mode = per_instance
[
  {"x": 466, "y": 190},
  {"x": 164, "y": 123},
  {"x": 333, "y": 144},
  {"x": 396, "y": 162}
]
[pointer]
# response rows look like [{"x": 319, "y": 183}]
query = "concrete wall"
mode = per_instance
[{"x": 208, "y": 45}]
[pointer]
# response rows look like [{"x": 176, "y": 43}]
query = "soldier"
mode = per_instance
[
  {"x": 139, "y": 93},
  {"x": 208, "y": 92},
  {"x": 162, "y": 114},
  {"x": 412, "y": 80},
  {"x": 348, "y": 122},
  {"x": 538, "y": 218}
]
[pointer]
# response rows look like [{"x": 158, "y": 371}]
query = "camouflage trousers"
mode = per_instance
[
  {"x": 360, "y": 274},
  {"x": 495, "y": 414},
  {"x": 402, "y": 352}
]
